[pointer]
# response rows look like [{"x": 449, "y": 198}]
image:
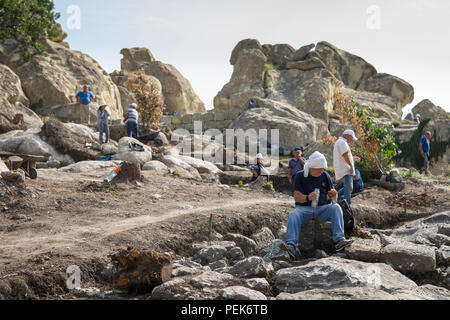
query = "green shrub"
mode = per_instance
[
  {"x": 240, "y": 183},
  {"x": 330, "y": 170},
  {"x": 268, "y": 186}
]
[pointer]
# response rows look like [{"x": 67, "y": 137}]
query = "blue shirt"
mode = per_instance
[
  {"x": 425, "y": 144},
  {"x": 358, "y": 186},
  {"x": 307, "y": 185},
  {"x": 85, "y": 98},
  {"x": 296, "y": 166},
  {"x": 102, "y": 116}
]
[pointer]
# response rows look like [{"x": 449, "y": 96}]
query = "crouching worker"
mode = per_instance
[
  {"x": 258, "y": 169},
  {"x": 310, "y": 207}
]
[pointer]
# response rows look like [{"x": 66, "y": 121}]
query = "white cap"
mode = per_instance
[
  {"x": 350, "y": 133},
  {"x": 133, "y": 105},
  {"x": 259, "y": 156},
  {"x": 103, "y": 103}
]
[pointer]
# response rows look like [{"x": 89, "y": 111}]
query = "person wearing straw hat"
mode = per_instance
[
  {"x": 310, "y": 205},
  {"x": 102, "y": 122},
  {"x": 344, "y": 165}
]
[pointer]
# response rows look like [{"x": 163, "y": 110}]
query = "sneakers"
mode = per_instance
[
  {"x": 290, "y": 249},
  {"x": 341, "y": 244}
]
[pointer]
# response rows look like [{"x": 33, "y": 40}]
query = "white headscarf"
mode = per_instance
[{"x": 316, "y": 161}]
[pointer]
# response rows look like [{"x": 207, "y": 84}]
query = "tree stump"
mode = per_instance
[
  {"x": 129, "y": 172},
  {"x": 139, "y": 271}
]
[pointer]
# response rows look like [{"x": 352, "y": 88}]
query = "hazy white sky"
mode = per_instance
[{"x": 406, "y": 38}]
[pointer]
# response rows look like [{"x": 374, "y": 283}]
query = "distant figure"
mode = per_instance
[
  {"x": 417, "y": 118},
  {"x": 344, "y": 166},
  {"x": 84, "y": 98},
  {"x": 358, "y": 184},
  {"x": 258, "y": 169},
  {"x": 296, "y": 164},
  {"x": 424, "y": 148},
  {"x": 102, "y": 121},
  {"x": 131, "y": 119}
]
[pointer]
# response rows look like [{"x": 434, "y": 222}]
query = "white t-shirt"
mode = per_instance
[{"x": 341, "y": 167}]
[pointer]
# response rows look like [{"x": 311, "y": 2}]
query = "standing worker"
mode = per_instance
[
  {"x": 296, "y": 165},
  {"x": 424, "y": 148},
  {"x": 102, "y": 121},
  {"x": 131, "y": 119},
  {"x": 84, "y": 98},
  {"x": 344, "y": 166}
]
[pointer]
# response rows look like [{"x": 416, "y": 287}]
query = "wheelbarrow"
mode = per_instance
[{"x": 25, "y": 162}]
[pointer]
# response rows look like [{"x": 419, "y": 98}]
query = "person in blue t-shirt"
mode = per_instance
[
  {"x": 84, "y": 98},
  {"x": 358, "y": 184},
  {"x": 424, "y": 148},
  {"x": 295, "y": 165},
  {"x": 314, "y": 177}
]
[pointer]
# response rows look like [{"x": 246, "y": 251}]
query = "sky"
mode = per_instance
[{"x": 405, "y": 38}]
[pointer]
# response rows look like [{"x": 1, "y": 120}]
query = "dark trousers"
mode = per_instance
[{"x": 132, "y": 126}]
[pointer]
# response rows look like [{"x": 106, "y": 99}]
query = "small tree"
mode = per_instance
[
  {"x": 376, "y": 144},
  {"x": 149, "y": 99},
  {"x": 28, "y": 21}
]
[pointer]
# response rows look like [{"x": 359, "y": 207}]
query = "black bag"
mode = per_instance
[{"x": 349, "y": 220}]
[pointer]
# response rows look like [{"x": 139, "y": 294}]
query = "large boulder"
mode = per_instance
[
  {"x": 241, "y": 293},
  {"x": 278, "y": 54},
  {"x": 409, "y": 257},
  {"x": 428, "y": 110},
  {"x": 13, "y": 100},
  {"x": 389, "y": 85},
  {"x": 246, "y": 81},
  {"x": 52, "y": 79},
  {"x": 347, "y": 67},
  {"x": 334, "y": 273},
  {"x": 177, "y": 90},
  {"x": 135, "y": 58},
  {"x": 295, "y": 127},
  {"x": 30, "y": 142},
  {"x": 128, "y": 151}
]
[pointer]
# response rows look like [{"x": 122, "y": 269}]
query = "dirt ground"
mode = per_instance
[{"x": 64, "y": 219}]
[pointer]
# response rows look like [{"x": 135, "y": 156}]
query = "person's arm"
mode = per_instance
[
  {"x": 348, "y": 161},
  {"x": 301, "y": 198},
  {"x": 302, "y": 161},
  {"x": 290, "y": 175},
  {"x": 78, "y": 97},
  {"x": 126, "y": 118},
  {"x": 421, "y": 148}
]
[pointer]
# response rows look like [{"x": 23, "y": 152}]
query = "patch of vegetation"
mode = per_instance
[
  {"x": 28, "y": 22},
  {"x": 396, "y": 123},
  {"x": 241, "y": 183},
  {"x": 268, "y": 186},
  {"x": 176, "y": 173},
  {"x": 330, "y": 171},
  {"x": 113, "y": 192}
]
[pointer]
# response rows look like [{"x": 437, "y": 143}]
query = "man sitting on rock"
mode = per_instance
[
  {"x": 258, "y": 169},
  {"x": 296, "y": 164},
  {"x": 314, "y": 177}
]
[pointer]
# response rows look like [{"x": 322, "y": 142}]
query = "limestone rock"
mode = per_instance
[
  {"x": 52, "y": 79},
  {"x": 250, "y": 267},
  {"x": 244, "y": 45},
  {"x": 347, "y": 67},
  {"x": 85, "y": 166},
  {"x": 409, "y": 257},
  {"x": 128, "y": 153},
  {"x": 278, "y": 54},
  {"x": 258, "y": 284},
  {"x": 135, "y": 58},
  {"x": 334, "y": 273},
  {"x": 389, "y": 85},
  {"x": 351, "y": 293},
  {"x": 241, "y": 293},
  {"x": 248, "y": 246},
  {"x": 428, "y": 110},
  {"x": 246, "y": 82},
  {"x": 263, "y": 238},
  {"x": 155, "y": 166},
  {"x": 273, "y": 251},
  {"x": 14, "y": 176},
  {"x": 305, "y": 65},
  {"x": 315, "y": 235},
  {"x": 301, "y": 53},
  {"x": 177, "y": 90},
  {"x": 175, "y": 163},
  {"x": 212, "y": 254},
  {"x": 295, "y": 127}
]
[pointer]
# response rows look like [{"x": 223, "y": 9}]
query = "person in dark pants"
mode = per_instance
[
  {"x": 424, "y": 148},
  {"x": 295, "y": 165},
  {"x": 131, "y": 119},
  {"x": 102, "y": 121}
]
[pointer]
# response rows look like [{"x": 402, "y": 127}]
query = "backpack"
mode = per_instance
[{"x": 349, "y": 219}]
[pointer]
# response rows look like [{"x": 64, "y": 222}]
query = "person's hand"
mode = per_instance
[
  {"x": 312, "y": 196},
  {"x": 357, "y": 159},
  {"x": 352, "y": 171},
  {"x": 332, "y": 193},
  {"x": 290, "y": 181}
]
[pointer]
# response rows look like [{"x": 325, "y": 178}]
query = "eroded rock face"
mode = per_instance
[
  {"x": 428, "y": 110},
  {"x": 13, "y": 100},
  {"x": 52, "y": 79},
  {"x": 389, "y": 85},
  {"x": 135, "y": 58},
  {"x": 295, "y": 127},
  {"x": 177, "y": 90}
]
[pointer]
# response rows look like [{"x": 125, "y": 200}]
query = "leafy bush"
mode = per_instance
[
  {"x": 268, "y": 185},
  {"x": 28, "y": 22},
  {"x": 148, "y": 98}
]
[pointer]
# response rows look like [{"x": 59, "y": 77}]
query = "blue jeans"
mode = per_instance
[
  {"x": 302, "y": 215},
  {"x": 347, "y": 190},
  {"x": 132, "y": 126},
  {"x": 103, "y": 128}
]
